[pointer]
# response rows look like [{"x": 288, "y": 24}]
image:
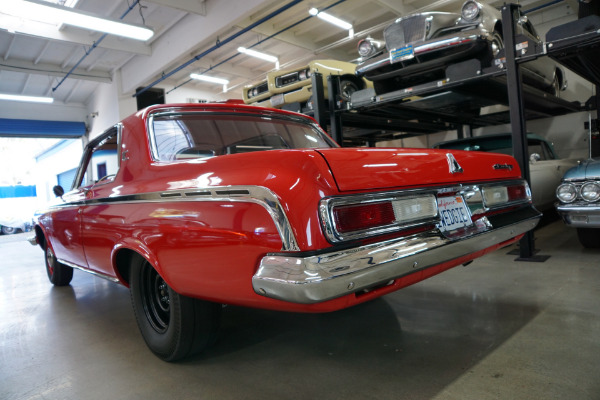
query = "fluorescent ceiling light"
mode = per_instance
[
  {"x": 66, "y": 3},
  {"x": 257, "y": 54},
  {"x": 55, "y": 14},
  {"x": 209, "y": 79},
  {"x": 331, "y": 19},
  {"x": 35, "y": 99}
]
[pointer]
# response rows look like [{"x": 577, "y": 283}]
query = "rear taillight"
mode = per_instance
[
  {"x": 357, "y": 218},
  {"x": 363, "y": 216},
  {"x": 501, "y": 195}
]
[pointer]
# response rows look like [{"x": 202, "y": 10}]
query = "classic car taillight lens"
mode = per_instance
[
  {"x": 567, "y": 192},
  {"x": 501, "y": 195},
  {"x": 363, "y": 216},
  {"x": 590, "y": 191},
  {"x": 470, "y": 10},
  {"x": 345, "y": 219}
]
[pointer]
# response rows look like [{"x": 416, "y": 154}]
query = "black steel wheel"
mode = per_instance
[
  {"x": 497, "y": 43},
  {"x": 589, "y": 237},
  {"x": 347, "y": 87},
  {"x": 58, "y": 273},
  {"x": 173, "y": 326}
]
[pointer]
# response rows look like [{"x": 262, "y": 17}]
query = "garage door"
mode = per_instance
[{"x": 41, "y": 129}]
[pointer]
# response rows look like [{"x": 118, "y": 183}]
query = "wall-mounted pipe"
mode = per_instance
[
  {"x": 551, "y": 3},
  {"x": 257, "y": 43},
  {"x": 94, "y": 46},
  {"x": 217, "y": 45}
]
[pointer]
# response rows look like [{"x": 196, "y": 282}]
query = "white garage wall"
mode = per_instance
[
  {"x": 103, "y": 109},
  {"x": 64, "y": 157},
  {"x": 182, "y": 94}
]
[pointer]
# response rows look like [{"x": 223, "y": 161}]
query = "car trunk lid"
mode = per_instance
[{"x": 386, "y": 168}]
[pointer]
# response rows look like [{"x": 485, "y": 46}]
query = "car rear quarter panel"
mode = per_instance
[{"x": 206, "y": 248}]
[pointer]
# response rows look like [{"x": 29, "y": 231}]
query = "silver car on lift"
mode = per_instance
[{"x": 418, "y": 48}]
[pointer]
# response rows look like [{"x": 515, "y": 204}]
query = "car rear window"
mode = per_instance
[{"x": 184, "y": 136}]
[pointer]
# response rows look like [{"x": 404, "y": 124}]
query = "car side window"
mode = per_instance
[
  {"x": 100, "y": 161},
  {"x": 538, "y": 148}
]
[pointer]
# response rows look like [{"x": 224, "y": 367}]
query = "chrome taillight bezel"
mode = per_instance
[{"x": 472, "y": 194}]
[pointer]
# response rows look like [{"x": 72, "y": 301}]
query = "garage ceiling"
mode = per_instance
[{"x": 36, "y": 57}]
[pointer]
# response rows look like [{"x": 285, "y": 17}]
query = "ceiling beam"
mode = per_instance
[
  {"x": 190, "y": 6},
  {"x": 178, "y": 43},
  {"x": 29, "y": 67},
  {"x": 72, "y": 91},
  {"x": 305, "y": 43},
  {"x": 396, "y": 6},
  {"x": 41, "y": 54}
]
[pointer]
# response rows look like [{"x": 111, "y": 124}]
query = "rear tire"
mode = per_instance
[
  {"x": 497, "y": 43},
  {"x": 173, "y": 326},
  {"x": 59, "y": 274},
  {"x": 589, "y": 237},
  {"x": 556, "y": 86}
]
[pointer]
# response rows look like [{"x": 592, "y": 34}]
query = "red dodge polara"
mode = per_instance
[{"x": 193, "y": 206}]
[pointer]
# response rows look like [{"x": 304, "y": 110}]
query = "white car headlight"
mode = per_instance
[
  {"x": 590, "y": 191},
  {"x": 567, "y": 193},
  {"x": 470, "y": 10},
  {"x": 367, "y": 47}
]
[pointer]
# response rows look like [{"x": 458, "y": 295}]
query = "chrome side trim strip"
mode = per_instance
[
  {"x": 249, "y": 194},
  {"x": 313, "y": 279},
  {"x": 89, "y": 271}
]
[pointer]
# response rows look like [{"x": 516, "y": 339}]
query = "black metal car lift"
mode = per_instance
[{"x": 427, "y": 108}]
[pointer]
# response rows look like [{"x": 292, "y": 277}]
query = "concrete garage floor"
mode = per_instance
[{"x": 496, "y": 329}]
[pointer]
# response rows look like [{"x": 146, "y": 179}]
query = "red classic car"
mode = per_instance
[{"x": 197, "y": 205}]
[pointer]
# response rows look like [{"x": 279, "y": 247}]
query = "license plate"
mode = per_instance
[
  {"x": 401, "y": 54},
  {"x": 454, "y": 213},
  {"x": 277, "y": 100}
]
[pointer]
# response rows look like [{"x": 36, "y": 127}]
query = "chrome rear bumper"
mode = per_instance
[
  {"x": 325, "y": 276},
  {"x": 580, "y": 216}
]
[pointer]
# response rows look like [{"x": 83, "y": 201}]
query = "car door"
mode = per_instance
[
  {"x": 546, "y": 173},
  {"x": 98, "y": 220},
  {"x": 64, "y": 230}
]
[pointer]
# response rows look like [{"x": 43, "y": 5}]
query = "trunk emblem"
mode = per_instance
[
  {"x": 453, "y": 164},
  {"x": 503, "y": 166}
]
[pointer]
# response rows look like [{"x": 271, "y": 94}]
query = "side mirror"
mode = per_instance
[
  {"x": 58, "y": 191},
  {"x": 534, "y": 157}
]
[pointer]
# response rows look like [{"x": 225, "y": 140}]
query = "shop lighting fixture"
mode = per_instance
[
  {"x": 211, "y": 79},
  {"x": 34, "y": 99},
  {"x": 332, "y": 20},
  {"x": 56, "y": 14},
  {"x": 258, "y": 54}
]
